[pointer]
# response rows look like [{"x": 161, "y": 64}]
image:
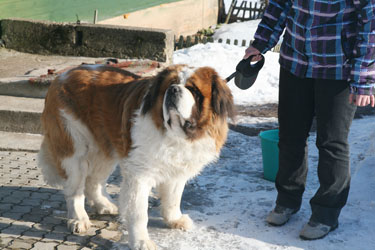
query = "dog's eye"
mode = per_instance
[
  {"x": 196, "y": 93},
  {"x": 188, "y": 125}
]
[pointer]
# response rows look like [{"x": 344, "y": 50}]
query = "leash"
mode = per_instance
[{"x": 231, "y": 76}]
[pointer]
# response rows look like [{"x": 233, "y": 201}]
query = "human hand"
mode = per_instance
[
  {"x": 251, "y": 51},
  {"x": 362, "y": 100}
]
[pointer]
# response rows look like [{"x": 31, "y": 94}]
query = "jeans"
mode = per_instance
[{"x": 300, "y": 99}]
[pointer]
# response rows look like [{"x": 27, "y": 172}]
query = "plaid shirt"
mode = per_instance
[{"x": 328, "y": 39}]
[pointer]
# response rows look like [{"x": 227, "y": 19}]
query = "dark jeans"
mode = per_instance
[{"x": 300, "y": 99}]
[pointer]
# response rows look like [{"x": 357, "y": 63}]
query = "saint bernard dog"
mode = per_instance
[{"x": 160, "y": 130}]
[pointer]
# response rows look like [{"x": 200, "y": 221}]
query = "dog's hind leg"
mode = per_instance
[
  {"x": 76, "y": 169},
  {"x": 170, "y": 194},
  {"x": 95, "y": 188}
]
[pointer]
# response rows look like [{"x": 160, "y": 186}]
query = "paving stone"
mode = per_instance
[
  {"x": 51, "y": 204},
  {"x": 31, "y": 238},
  {"x": 98, "y": 223},
  {"x": 34, "y": 233},
  {"x": 21, "y": 193},
  {"x": 18, "y": 244},
  {"x": 22, "y": 223},
  {"x": 30, "y": 202},
  {"x": 44, "y": 245},
  {"x": 68, "y": 247},
  {"x": 6, "y": 220},
  {"x": 39, "y": 211},
  {"x": 34, "y": 213},
  {"x": 53, "y": 220},
  {"x": 43, "y": 226},
  {"x": 12, "y": 200},
  {"x": 101, "y": 242},
  {"x": 3, "y": 226},
  {"x": 38, "y": 195},
  {"x": 28, "y": 188},
  {"x": 57, "y": 197},
  {"x": 15, "y": 230},
  {"x": 14, "y": 216},
  {"x": 55, "y": 236},
  {"x": 32, "y": 218},
  {"x": 61, "y": 229},
  {"x": 110, "y": 235},
  {"x": 5, "y": 192},
  {"x": 114, "y": 226},
  {"x": 5, "y": 241},
  {"x": 81, "y": 239},
  {"x": 21, "y": 209},
  {"x": 5, "y": 206}
]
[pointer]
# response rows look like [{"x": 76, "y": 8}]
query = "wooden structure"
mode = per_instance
[
  {"x": 244, "y": 12},
  {"x": 188, "y": 41}
]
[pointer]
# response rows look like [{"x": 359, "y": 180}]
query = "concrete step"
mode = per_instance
[
  {"x": 10, "y": 141},
  {"x": 20, "y": 114},
  {"x": 20, "y": 86}
]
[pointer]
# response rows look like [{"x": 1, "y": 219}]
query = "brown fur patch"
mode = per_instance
[{"x": 105, "y": 98}]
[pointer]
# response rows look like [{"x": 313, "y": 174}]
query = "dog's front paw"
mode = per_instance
[
  {"x": 109, "y": 208},
  {"x": 143, "y": 245},
  {"x": 183, "y": 223},
  {"x": 78, "y": 226}
]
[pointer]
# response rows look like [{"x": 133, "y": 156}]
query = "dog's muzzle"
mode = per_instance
[{"x": 173, "y": 94}]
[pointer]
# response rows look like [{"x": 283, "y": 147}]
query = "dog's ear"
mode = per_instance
[
  {"x": 222, "y": 99},
  {"x": 153, "y": 94}
]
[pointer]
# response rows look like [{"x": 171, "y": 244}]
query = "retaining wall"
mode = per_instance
[{"x": 92, "y": 40}]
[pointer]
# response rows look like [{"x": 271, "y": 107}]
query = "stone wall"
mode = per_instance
[{"x": 92, "y": 40}]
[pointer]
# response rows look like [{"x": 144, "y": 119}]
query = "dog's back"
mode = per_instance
[{"x": 77, "y": 106}]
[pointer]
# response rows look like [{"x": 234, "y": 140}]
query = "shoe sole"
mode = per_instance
[
  {"x": 321, "y": 237},
  {"x": 279, "y": 225}
]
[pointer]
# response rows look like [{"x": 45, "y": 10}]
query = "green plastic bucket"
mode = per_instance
[{"x": 270, "y": 153}]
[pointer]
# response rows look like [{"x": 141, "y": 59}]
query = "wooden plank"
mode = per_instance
[
  {"x": 245, "y": 13},
  {"x": 181, "y": 42},
  {"x": 196, "y": 40},
  {"x": 188, "y": 41}
]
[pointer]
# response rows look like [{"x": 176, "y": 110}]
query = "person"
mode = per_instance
[{"x": 327, "y": 69}]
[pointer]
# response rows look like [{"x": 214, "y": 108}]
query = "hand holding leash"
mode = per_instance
[{"x": 246, "y": 72}]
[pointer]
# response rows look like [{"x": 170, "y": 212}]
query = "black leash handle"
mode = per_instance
[
  {"x": 231, "y": 76},
  {"x": 234, "y": 73}
]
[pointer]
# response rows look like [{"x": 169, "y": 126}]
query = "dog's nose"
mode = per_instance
[{"x": 174, "y": 89}]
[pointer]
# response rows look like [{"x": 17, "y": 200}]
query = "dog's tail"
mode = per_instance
[{"x": 48, "y": 166}]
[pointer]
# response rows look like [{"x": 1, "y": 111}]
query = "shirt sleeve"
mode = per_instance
[
  {"x": 362, "y": 75},
  {"x": 272, "y": 25}
]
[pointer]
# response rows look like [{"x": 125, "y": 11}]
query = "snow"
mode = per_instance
[
  {"x": 224, "y": 58},
  {"x": 230, "y": 199}
]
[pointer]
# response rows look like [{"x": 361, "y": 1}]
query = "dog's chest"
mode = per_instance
[{"x": 153, "y": 149}]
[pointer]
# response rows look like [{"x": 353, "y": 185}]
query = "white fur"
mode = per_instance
[
  {"x": 184, "y": 109},
  {"x": 158, "y": 159},
  {"x": 49, "y": 171},
  {"x": 186, "y": 103},
  {"x": 185, "y": 73},
  {"x": 164, "y": 161}
]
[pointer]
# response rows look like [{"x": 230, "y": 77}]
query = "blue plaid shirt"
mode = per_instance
[{"x": 328, "y": 39}]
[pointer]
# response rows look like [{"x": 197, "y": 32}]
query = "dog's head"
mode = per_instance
[{"x": 187, "y": 102}]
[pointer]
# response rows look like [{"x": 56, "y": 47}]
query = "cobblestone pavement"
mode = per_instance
[{"x": 33, "y": 214}]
